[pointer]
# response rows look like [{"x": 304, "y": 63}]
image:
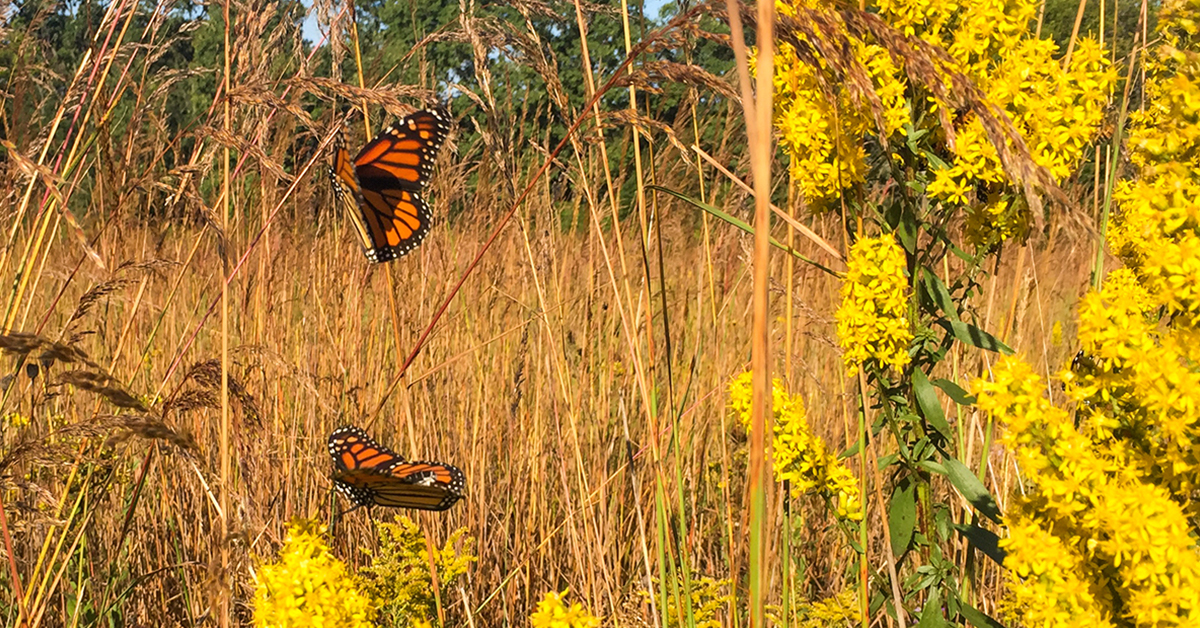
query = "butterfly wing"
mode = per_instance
[
  {"x": 370, "y": 474},
  {"x": 349, "y": 194},
  {"x": 386, "y": 178},
  {"x": 421, "y": 485},
  {"x": 403, "y": 154},
  {"x": 356, "y": 457},
  {"x": 396, "y": 221}
]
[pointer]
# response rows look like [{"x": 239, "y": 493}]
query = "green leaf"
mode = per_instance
[
  {"x": 907, "y": 232},
  {"x": 931, "y": 614},
  {"x": 963, "y": 255},
  {"x": 975, "y": 336},
  {"x": 971, "y": 488},
  {"x": 977, "y": 618},
  {"x": 933, "y": 467},
  {"x": 740, "y": 224},
  {"x": 955, "y": 392},
  {"x": 983, "y": 540},
  {"x": 930, "y": 406},
  {"x": 939, "y": 294},
  {"x": 902, "y": 516},
  {"x": 934, "y": 160}
]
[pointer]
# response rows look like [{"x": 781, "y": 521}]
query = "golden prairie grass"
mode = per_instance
[{"x": 577, "y": 371}]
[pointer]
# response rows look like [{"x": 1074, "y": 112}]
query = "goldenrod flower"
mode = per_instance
[
  {"x": 1156, "y": 230},
  {"x": 1050, "y": 582},
  {"x": 798, "y": 455},
  {"x": 823, "y": 136},
  {"x": 873, "y": 318},
  {"x": 553, "y": 612},
  {"x": 15, "y": 419},
  {"x": 1055, "y": 109},
  {"x": 843, "y": 609},
  {"x": 709, "y": 597},
  {"x": 398, "y": 576},
  {"x": 822, "y": 124},
  {"x": 1102, "y": 528},
  {"x": 308, "y": 586}
]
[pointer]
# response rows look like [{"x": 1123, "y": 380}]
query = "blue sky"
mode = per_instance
[{"x": 312, "y": 33}]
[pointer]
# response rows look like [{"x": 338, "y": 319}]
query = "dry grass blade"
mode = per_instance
[
  {"x": 392, "y": 98},
  {"x": 189, "y": 400},
  {"x": 21, "y": 344},
  {"x": 652, "y": 74},
  {"x": 56, "y": 448},
  {"x": 261, "y": 96},
  {"x": 60, "y": 446},
  {"x": 245, "y": 145},
  {"x": 152, "y": 266}
]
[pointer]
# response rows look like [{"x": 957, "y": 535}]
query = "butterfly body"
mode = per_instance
[
  {"x": 381, "y": 188},
  {"x": 370, "y": 474}
]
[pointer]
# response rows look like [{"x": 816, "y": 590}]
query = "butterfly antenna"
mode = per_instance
[{"x": 337, "y": 516}]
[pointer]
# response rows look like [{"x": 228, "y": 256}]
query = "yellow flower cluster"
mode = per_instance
[
  {"x": 1157, "y": 229},
  {"x": 398, "y": 577},
  {"x": 872, "y": 322},
  {"x": 1150, "y": 381},
  {"x": 843, "y": 609},
  {"x": 821, "y": 123},
  {"x": 14, "y": 419},
  {"x": 1098, "y": 537},
  {"x": 709, "y": 597},
  {"x": 1105, "y": 535},
  {"x": 553, "y": 612},
  {"x": 1056, "y": 110},
  {"x": 308, "y": 586},
  {"x": 1047, "y": 582},
  {"x": 799, "y": 456},
  {"x": 823, "y": 135}
]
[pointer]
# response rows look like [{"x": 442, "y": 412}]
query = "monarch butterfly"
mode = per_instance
[
  {"x": 381, "y": 188},
  {"x": 370, "y": 474}
]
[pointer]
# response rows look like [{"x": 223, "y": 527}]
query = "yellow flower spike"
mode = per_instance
[
  {"x": 873, "y": 317},
  {"x": 798, "y": 455},
  {"x": 14, "y": 419},
  {"x": 308, "y": 586},
  {"x": 398, "y": 576},
  {"x": 1055, "y": 110},
  {"x": 823, "y": 136},
  {"x": 553, "y": 612}
]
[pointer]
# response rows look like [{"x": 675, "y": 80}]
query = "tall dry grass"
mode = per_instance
[{"x": 578, "y": 377}]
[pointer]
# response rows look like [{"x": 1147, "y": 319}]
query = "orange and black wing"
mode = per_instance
[
  {"x": 356, "y": 456},
  {"x": 370, "y": 474},
  {"x": 349, "y": 195},
  {"x": 394, "y": 222},
  {"x": 421, "y": 485},
  {"x": 404, "y": 153},
  {"x": 381, "y": 188}
]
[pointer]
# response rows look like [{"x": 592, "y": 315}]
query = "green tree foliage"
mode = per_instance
[
  {"x": 1059, "y": 20},
  {"x": 529, "y": 55}
]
